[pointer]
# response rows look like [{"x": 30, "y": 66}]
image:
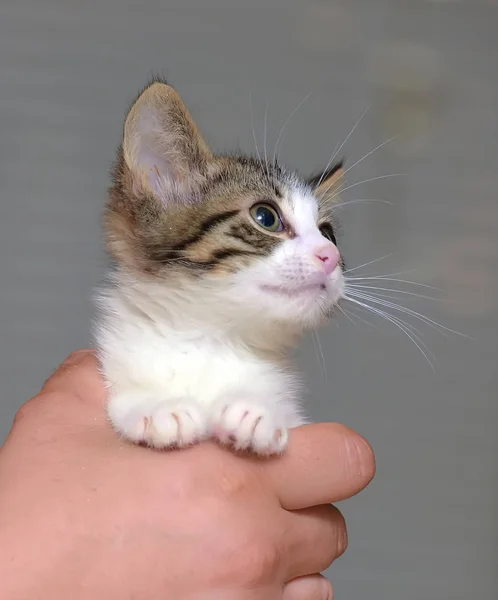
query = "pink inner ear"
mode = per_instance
[
  {"x": 155, "y": 168},
  {"x": 147, "y": 143},
  {"x": 151, "y": 162}
]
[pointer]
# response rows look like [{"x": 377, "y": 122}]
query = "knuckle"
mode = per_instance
[
  {"x": 262, "y": 561},
  {"x": 221, "y": 476},
  {"x": 29, "y": 408},
  {"x": 45, "y": 403},
  {"x": 23, "y": 412},
  {"x": 255, "y": 563},
  {"x": 79, "y": 358},
  {"x": 234, "y": 485},
  {"x": 52, "y": 402},
  {"x": 237, "y": 484}
]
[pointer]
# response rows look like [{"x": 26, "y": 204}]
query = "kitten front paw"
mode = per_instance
[
  {"x": 159, "y": 424},
  {"x": 248, "y": 426}
]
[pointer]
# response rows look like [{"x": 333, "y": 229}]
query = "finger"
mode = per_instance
[
  {"x": 79, "y": 376},
  {"x": 73, "y": 398},
  {"x": 315, "y": 537},
  {"x": 323, "y": 463},
  {"x": 312, "y": 587}
]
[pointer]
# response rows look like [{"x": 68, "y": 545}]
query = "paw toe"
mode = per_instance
[
  {"x": 161, "y": 424},
  {"x": 245, "y": 426}
]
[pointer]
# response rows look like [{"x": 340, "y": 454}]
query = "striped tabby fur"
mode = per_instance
[{"x": 205, "y": 301}]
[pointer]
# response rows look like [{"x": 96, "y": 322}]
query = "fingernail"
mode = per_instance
[{"x": 360, "y": 457}]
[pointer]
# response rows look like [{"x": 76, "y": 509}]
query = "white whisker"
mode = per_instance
[
  {"x": 370, "y": 287},
  {"x": 264, "y": 141},
  {"x": 280, "y": 135},
  {"x": 407, "y": 311},
  {"x": 389, "y": 278},
  {"x": 369, "y": 154},
  {"x": 369, "y": 263},
  {"x": 384, "y": 275},
  {"x": 345, "y": 314},
  {"x": 406, "y": 329},
  {"x": 367, "y": 181},
  {"x": 254, "y": 132},
  {"x": 336, "y": 151},
  {"x": 358, "y": 162},
  {"x": 412, "y": 328},
  {"x": 378, "y": 294},
  {"x": 360, "y": 200},
  {"x": 322, "y": 358}
]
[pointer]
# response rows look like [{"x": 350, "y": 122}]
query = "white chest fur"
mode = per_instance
[{"x": 170, "y": 387}]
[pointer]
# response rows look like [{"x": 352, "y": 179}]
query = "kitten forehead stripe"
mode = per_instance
[
  {"x": 207, "y": 301},
  {"x": 214, "y": 220},
  {"x": 251, "y": 236},
  {"x": 205, "y": 227},
  {"x": 230, "y": 252},
  {"x": 220, "y": 256}
]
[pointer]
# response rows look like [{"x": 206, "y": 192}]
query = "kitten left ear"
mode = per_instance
[
  {"x": 327, "y": 185},
  {"x": 162, "y": 146}
]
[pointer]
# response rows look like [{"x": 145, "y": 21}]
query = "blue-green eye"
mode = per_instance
[{"x": 267, "y": 217}]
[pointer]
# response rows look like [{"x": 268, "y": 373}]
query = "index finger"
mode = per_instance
[
  {"x": 324, "y": 463},
  {"x": 79, "y": 375}
]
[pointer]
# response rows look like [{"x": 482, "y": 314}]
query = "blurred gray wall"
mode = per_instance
[{"x": 428, "y": 525}]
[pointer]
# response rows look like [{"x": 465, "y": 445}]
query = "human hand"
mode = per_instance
[{"x": 86, "y": 515}]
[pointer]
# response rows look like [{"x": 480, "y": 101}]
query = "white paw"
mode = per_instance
[
  {"x": 248, "y": 426},
  {"x": 159, "y": 424}
]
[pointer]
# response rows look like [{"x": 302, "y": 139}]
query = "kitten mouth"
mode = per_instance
[{"x": 316, "y": 288}]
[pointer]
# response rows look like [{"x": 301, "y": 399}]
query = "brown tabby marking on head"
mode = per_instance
[{"x": 174, "y": 207}]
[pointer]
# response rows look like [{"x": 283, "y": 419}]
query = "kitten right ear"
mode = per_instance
[
  {"x": 162, "y": 146},
  {"x": 327, "y": 185}
]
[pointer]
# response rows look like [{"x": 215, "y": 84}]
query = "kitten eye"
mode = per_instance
[
  {"x": 267, "y": 217},
  {"x": 327, "y": 232}
]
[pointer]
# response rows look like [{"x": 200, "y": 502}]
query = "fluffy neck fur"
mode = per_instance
[
  {"x": 222, "y": 263},
  {"x": 197, "y": 311}
]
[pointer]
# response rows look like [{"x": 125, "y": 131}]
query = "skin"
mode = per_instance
[{"x": 86, "y": 515}]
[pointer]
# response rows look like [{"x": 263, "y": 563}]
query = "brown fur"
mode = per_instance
[{"x": 205, "y": 224}]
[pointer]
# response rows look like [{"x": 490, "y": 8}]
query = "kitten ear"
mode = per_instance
[
  {"x": 162, "y": 146},
  {"x": 327, "y": 185}
]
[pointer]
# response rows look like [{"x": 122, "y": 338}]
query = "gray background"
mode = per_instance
[{"x": 427, "y": 526}]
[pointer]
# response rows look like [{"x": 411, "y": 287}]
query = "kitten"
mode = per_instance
[{"x": 222, "y": 263}]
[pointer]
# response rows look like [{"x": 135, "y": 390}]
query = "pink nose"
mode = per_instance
[{"x": 329, "y": 256}]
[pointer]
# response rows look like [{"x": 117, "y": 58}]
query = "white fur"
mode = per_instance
[{"x": 188, "y": 359}]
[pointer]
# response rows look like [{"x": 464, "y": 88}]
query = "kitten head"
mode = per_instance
[{"x": 215, "y": 234}]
